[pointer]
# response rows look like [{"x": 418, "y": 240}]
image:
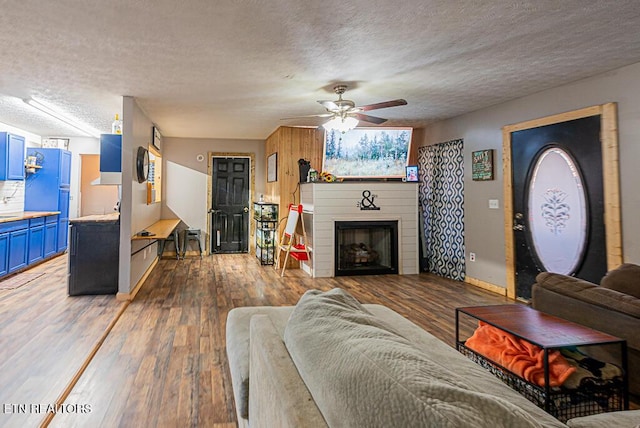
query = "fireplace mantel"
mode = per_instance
[{"x": 326, "y": 203}]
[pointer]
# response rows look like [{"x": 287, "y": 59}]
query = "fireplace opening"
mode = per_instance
[{"x": 366, "y": 247}]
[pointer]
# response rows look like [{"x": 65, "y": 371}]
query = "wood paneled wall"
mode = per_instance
[{"x": 291, "y": 144}]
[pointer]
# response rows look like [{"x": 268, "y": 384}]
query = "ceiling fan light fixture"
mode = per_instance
[{"x": 341, "y": 124}]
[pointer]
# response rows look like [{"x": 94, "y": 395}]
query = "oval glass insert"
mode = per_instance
[{"x": 558, "y": 212}]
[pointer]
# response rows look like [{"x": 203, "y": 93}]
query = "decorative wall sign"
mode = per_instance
[
  {"x": 272, "y": 167},
  {"x": 367, "y": 202},
  {"x": 482, "y": 165},
  {"x": 156, "y": 138}
]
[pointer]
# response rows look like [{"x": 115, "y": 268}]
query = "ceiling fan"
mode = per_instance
[{"x": 345, "y": 115}]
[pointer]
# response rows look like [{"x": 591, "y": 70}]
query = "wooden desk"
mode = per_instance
[
  {"x": 159, "y": 232},
  {"x": 161, "y": 229}
]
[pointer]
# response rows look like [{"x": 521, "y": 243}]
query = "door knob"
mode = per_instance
[{"x": 245, "y": 209}]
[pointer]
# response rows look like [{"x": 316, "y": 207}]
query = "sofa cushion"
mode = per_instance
[
  {"x": 361, "y": 372},
  {"x": 237, "y": 338},
  {"x": 589, "y": 292},
  {"x": 625, "y": 279},
  {"x": 624, "y": 419}
]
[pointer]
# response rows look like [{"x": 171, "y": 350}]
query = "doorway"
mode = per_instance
[
  {"x": 95, "y": 199},
  {"x": 232, "y": 183},
  {"x": 561, "y": 197}
]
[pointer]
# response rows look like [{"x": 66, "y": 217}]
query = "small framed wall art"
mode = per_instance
[
  {"x": 272, "y": 167},
  {"x": 156, "y": 138},
  {"x": 482, "y": 165},
  {"x": 411, "y": 173}
]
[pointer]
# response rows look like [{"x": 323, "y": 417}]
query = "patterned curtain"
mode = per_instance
[{"x": 442, "y": 207}]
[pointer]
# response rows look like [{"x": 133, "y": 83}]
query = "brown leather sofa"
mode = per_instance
[{"x": 612, "y": 307}]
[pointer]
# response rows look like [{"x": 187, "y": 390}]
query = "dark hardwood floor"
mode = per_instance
[{"x": 164, "y": 362}]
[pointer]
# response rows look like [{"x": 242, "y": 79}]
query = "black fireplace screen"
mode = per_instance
[{"x": 366, "y": 247}]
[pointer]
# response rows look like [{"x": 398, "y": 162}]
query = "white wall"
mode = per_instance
[
  {"x": 78, "y": 146},
  {"x": 184, "y": 193},
  {"x": 186, "y": 202},
  {"x": 484, "y": 227},
  {"x": 135, "y": 213},
  {"x": 31, "y": 140}
]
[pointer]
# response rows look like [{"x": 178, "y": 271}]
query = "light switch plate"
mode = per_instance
[{"x": 494, "y": 204}]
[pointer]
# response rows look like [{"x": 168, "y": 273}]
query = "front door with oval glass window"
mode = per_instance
[{"x": 558, "y": 205}]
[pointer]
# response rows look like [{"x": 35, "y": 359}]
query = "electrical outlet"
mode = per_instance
[{"x": 472, "y": 257}]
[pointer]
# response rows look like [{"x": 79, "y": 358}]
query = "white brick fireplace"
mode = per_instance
[{"x": 324, "y": 204}]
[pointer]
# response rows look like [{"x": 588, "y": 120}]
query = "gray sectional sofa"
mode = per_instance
[
  {"x": 330, "y": 361},
  {"x": 612, "y": 307}
]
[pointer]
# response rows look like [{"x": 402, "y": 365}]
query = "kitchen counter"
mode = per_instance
[
  {"x": 25, "y": 215},
  {"x": 113, "y": 217}
]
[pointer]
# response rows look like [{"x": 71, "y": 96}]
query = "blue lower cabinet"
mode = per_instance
[
  {"x": 4, "y": 253},
  {"x": 18, "y": 246},
  {"x": 36, "y": 240},
  {"x": 63, "y": 235},
  {"x": 24, "y": 242},
  {"x": 51, "y": 236}
]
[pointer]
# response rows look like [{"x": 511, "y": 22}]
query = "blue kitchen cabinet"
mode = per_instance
[
  {"x": 36, "y": 240},
  {"x": 25, "y": 242},
  {"x": 110, "y": 153},
  {"x": 50, "y": 235},
  {"x": 63, "y": 220},
  {"x": 18, "y": 244},
  {"x": 48, "y": 188},
  {"x": 4, "y": 253},
  {"x": 11, "y": 156},
  {"x": 14, "y": 245},
  {"x": 63, "y": 235},
  {"x": 65, "y": 168}
]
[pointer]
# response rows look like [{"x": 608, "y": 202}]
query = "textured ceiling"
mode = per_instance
[{"x": 234, "y": 68}]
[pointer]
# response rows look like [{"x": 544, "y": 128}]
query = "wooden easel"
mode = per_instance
[{"x": 294, "y": 239}]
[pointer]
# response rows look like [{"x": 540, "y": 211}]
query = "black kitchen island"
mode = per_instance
[{"x": 93, "y": 254}]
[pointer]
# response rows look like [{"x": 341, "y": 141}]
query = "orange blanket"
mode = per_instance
[{"x": 519, "y": 356}]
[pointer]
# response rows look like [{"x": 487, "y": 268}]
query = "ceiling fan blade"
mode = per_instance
[
  {"x": 393, "y": 103},
  {"x": 309, "y": 115},
  {"x": 370, "y": 119},
  {"x": 329, "y": 105}
]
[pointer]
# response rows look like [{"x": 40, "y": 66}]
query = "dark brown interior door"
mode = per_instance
[{"x": 230, "y": 205}]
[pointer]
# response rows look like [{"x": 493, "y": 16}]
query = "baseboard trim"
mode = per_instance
[
  {"x": 130, "y": 296},
  {"x": 486, "y": 286}
]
